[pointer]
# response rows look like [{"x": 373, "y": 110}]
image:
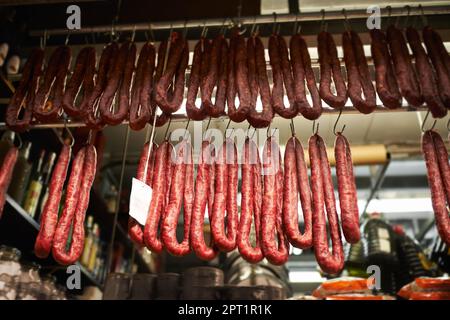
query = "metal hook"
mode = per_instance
[
  {"x": 448, "y": 125},
  {"x": 133, "y": 34},
  {"x": 44, "y": 40},
  {"x": 252, "y": 30},
  {"x": 322, "y": 23},
  {"x": 223, "y": 28},
  {"x": 67, "y": 38},
  {"x": 408, "y": 8},
  {"x": 185, "y": 29},
  {"x": 207, "y": 127},
  {"x": 20, "y": 141},
  {"x": 72, "y": 139},
  {"x": 294, "y": 30},
  {"x": 292, "y": 127},
  {"x": 422, "y": 15},
  {"x": 425, "y": 120},
  {"x": 274, "y": 29},
  {"x": 167, "y": 129},
  {"x": 186, "y": 129},
  {"x": 346, "y": 22},
  {"x": 315, "y": 129},
  {"x": 335, "y": 124},
  {"x": 204, "y": 30}
]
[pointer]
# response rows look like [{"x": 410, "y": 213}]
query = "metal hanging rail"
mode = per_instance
[{"x": 260, "y": 19}]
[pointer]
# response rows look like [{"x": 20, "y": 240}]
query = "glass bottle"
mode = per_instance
[
  {"x": 21, "y": 174},
  {"x": 88, "y": 241},
  {"x": 6, "y": 142},
  {"x": 34, "y": 188},
  {"x": 47, "y": 173}
]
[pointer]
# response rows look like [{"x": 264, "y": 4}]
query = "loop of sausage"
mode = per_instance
[
  {"x": 48, "y": 101},
  {"x": 164, "y": 117},
  {"x": 199, "y": 69},
  {"x": 90, "y": 106},
  {"x": 259, "y": 84},
  {"x": 427, "y": 78},
  {"x": 323, "y": 193},
  {"x": 155, "y": 211},
  {"x": 302, "y": 70},
  {"x": 140, "y": 109},
  {"x": 216, "y": 77},
  {"x": 386, "y": 83},
  {"x": 170, "y": 99},
  {"x": 348, "y": 201},
  {"x": 117, "y": 91},
  {"x": 282, "y": 78},
  {"x": 44, "y": 239},
  {"x": 438, "y": 172},
  {"x": 250, "y": 203},
  {"x": 6, "y": 172},
  {"x": 178, "y": 193},
  {"x": 225, "y": 194},
  {"x": 360, "y": 88},
  {"x": 23, "y": 98},
  {"x": 406, "y": 77},
  {"x": 81, "y": 83},
  {"x": 134, "y": 228},
  {"x": 202, "y": 198},
  {"x": 441, "y": 62},
  {"x": 276, "y": 252},
  {"x": 76, "y": 203},
  {"x": 330, "y": 72},
  {"x": 238, "y": 78},
  {"x": 295, "y": 182}
]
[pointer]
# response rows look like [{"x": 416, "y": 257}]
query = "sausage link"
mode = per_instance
[
  {"x": 76, "y": 203},
  {"x": 238, "y": 78},
  {"x": 172, "y": 210},
  {"x": 295, "y": 182},
  {"x": 6, "y": 172},
  {"x": 386, "y": 82},
  {"x": 117, "y": 90},
  {"x": 23, "y": 98},
  {"x": 427, "y": 78},
  {"x": 140, "y": 109},
  {"x": 216, "y": 77},
  {"x": 282, "y": 78},
  {"x": 442, "y": 156},
  {"x": 48, "y": 101},
  {"x": 358, "y": 84},
  {"x": 164, "y": 117},
  {"x": 44, "y": 239},
  {"x": 90, "y": 106},
  {"x": 259, "y": 84},
  {"x": 441, "y": 62},
  {"x": 200, "y": 63},
  {"x": 348, "y": 201},
  {"x": 249, "y": 207},
  {"x": 145, "y": 161},
  {"x": 323, "y": 193},
  {"x": 202, "y": 188},
  {"x": 404, "y": 71},
  {"x": 225, "y": 194},
  {"x": 437, "y": 186},
  {"x": 155, "y": 212},
  {"x": 330, "y": 72},
  {"x": 81, "y": 83},
  {"x": 301, "y": 67},
  {"x": 170, "y": 100},
  {"x": 271, "y": 209}
]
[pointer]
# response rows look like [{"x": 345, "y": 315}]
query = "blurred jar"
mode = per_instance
[
  {"x": 48, "y": 288},
  {"x": 9, "y": 272},
  {"x": 29, "y": 282}
]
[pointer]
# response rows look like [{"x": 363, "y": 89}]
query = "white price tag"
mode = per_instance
[{"x": 140, "y": 197}]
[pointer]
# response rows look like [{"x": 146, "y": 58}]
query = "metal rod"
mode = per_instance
[
  {"x": 377, "y": 185},
  {"x": 116, "y": 213},
  {"x": 183, "y": 117},
  {"x": 262, "y": 19}
]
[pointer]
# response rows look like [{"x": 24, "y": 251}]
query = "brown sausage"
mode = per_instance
[
  {"x": 360, "y": 88},
  {"x": 22, "y": 101},
  {"x": 323, "y": 193},
  {"x": 330, "y": 72},
  {"x": 386, "y": 82},
  {"x": 348, "y": 200},
  {"x": 282, "y": 78},
  {"x": 404, "y": 71},
  {"x": 302, "y": 70},
  {"x": 49, "y": 220},
  {"x": 295, "y": 182}
]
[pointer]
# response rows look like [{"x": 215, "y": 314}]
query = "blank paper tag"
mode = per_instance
[{"x": 141, "y": 195}]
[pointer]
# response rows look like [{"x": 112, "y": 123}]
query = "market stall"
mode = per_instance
[{"x": 262, "y": 150}]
